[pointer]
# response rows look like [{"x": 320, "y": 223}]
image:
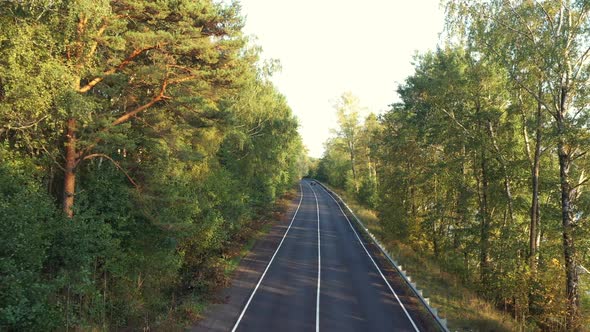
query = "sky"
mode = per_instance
[{"x": 328, "y": 47}]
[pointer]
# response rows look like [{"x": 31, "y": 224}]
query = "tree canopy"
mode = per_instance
[{"x": 139, "y": 139}]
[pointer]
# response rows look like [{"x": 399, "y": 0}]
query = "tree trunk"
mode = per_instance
[
  {"x": 461, "y": 202},
  {"x": 507, "y": 186},
  {"x": 434, "y": 219},
  {"x": 564, "y": 151},
  {"x": 372, "y": 167},
  {"x": 70, "y": 175},
  {"x": 568, "y": 240},
  {"x": 535, "y": 213},
  {"x": 352, "y": 162},
  {"x": 483, "y": 203},
  {"x": 485, "y": 223}
]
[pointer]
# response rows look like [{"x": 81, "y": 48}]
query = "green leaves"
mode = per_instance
[{"x": 158, "y": 115}]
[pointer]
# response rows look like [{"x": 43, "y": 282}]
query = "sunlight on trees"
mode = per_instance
[
  {"x": 157, "y": 130},
  {"x": 483, "y": 165}
]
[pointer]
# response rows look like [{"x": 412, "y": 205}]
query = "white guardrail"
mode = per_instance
[{"x": 442, "y": 323}]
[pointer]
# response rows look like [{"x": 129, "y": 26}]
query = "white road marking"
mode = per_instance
[
  {"x": 372, "y": 260},
  {"x": 269, "y": 263},
  {"x": 317, "y": 302}
]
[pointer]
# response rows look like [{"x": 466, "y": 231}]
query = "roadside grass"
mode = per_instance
[{"x": 462, "y": 307}]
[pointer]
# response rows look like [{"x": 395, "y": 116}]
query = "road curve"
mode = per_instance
[{"x": 322, "y": 277}]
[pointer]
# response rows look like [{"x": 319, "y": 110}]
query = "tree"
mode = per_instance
[
  {"x": 156, "y": 127},
  {"x": 547, "y": 41},
  {"x": 119, "y": 60},
  {"x": 347, "y": 110}
]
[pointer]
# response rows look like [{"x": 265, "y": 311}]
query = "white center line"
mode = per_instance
[
  {"x": 372, "y": 260},
  {"x": 317, "y": 302},
  {"x": 269, "y": 263}
]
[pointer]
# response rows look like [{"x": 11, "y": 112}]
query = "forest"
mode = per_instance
[
  {"x": 137, "y": 140},
  {"x": 483, "y": 163}
]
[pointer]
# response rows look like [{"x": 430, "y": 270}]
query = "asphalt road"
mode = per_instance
[{"x": 322, "y": 278}]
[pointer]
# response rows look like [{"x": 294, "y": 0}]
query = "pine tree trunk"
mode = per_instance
[{"x": 70, "y": 175}]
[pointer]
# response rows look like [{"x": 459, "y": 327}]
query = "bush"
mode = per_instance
[
  {"x": 27, "y": 214},
  {"x": 367, "y": 194}
]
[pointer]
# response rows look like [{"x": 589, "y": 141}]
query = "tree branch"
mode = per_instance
[
  {"x": 99, "y": 33},
  {"x": 53, "y": 159},
  {"x": 581, "y": 18},
  {"x": 525, "y": 130},
  {"x": 121, "y": 66},
  {"x": 580, "y": 63},
  {"x": 9, "y": 127},
  {"x": 516, "y": 79},
  {"x": 160, "y": 96},
  {"x": 574, "y": 190},
  {"x": 181, "y": 80},
  {"x": 525, "y": 23},
  {"x": 579, "y": 155},
  {"x": 125, "y": 117},
  {"x": 94, "y": 155},
  {"x": 549, "y": 19},
  {"x": 452, "y": 116},
  {"x": 507, "y": 26}
]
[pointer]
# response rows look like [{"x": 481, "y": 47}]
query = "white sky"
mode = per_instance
[{"x": 327, "y": 47}]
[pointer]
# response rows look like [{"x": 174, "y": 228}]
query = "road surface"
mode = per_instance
[{"x": 321, "y": 277}]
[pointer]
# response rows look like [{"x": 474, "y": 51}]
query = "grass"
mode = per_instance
[{"x": 462, "y": 307}]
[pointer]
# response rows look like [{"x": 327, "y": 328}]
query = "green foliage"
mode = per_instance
[
  {"x": 26, "y": 217},
  {"x": 451, "y": 169},
  {"x": 180, "y": 142},
  {"x": 367, "y": 194}
]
